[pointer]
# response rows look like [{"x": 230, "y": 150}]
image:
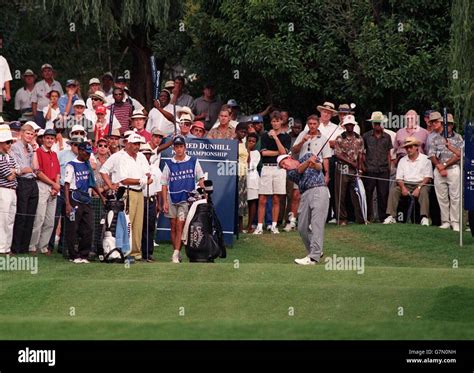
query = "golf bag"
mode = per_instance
[
  {"x": 115, "y": 231},
  {"x": 203, "y": 236}
]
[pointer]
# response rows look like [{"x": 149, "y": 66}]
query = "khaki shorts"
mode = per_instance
[
  {"x": 179, "y": 211},
  {"x": 272, "y": 181},
  {"x": 252, "y": 194}
]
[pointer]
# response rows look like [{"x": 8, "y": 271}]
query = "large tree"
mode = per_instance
[{"x": 133, "y": 22}]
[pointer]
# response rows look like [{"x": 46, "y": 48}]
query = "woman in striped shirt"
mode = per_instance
[{"x": 8, "y": 183}]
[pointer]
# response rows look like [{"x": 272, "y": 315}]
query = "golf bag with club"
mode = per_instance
[
  {"x": 202, "y": 234},
  {"x": 116, "y": 230}
]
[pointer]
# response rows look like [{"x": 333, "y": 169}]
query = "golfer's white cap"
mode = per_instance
[{"x": 280, "y": 158}]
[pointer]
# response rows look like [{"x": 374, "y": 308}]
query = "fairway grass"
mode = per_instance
[{"x": 417, "y": 284}]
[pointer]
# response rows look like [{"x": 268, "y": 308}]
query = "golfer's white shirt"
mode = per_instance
[
  {"x": 414, "y": 171},
  {"x": 133, "y": 168},
  {"x": 111, "y": 166}
]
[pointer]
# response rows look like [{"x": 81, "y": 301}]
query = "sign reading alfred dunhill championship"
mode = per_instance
[{"x": 218, "y": 159}]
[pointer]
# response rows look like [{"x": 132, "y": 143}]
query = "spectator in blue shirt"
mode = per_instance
[{"x": 66, "y": 101}]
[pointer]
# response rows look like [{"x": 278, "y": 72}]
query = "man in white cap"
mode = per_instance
[
  {"x": 39, "y": 98},
  {"x": 8, "y": 184},
  {"x": 349, "y": 151},
  {"x": 23, "y": 95},
  {"x": 414, "y": 173},
  {"x": 307, "y": 174},
  {"x": 79, "y": 119},
  {"x": 134, "y": 174},
  {"x": 185, "y": 123}
]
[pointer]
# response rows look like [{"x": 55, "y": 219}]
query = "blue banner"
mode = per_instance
[
  {"x": 469, "y": 166},
  {"x": 218, "y": 159}
]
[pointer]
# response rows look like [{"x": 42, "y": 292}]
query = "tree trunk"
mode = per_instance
[{"x": 141, "y": 84}]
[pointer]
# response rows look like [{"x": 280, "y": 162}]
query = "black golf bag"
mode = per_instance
[
  {"x": 109, "y": 252},
  {"x": 204, "y": 237}
]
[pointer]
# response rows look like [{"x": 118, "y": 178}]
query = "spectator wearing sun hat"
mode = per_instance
[
  {"x": 185, "y": 123},
  {"x": 39, "y": 98},
  {"x": 198, "y": 130},
  {"x": 24, "y": 94},
  {"x": 445, "y": 154},
  {"x": 79, "y": 118},
  {"x": 414, "y": 173},
  {"x": 138, "y": 121},
  {"x": 349, "y": 150},
  {"x": 8, "y": 184}
]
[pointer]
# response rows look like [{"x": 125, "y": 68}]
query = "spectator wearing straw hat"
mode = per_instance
[
  {"x": 349, "y": 151},
  {"x": 39, "y": 96},
  {"x": 377, "y": 162},
  {"x": 329, "y": 130},
  {"x": 24, "y": 94},
  {"x": 185, "y": 123},
  {"x": 445, "y": 154},
  {"x": 27, "y": 190},
  {"x": 48, "y": 173},
  {"x": 414, "y": 173},
  {"x": 138, "y": 121},
  {"x": 8, "y": 184}
]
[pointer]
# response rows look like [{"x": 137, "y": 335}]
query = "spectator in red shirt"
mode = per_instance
[{"x": 47, "y": 170}]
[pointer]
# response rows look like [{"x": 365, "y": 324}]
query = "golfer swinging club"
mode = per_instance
[{"x": 308, "y": 175}]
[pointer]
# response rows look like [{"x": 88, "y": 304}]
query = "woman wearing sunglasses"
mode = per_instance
[{"x": 8, "y": 184}]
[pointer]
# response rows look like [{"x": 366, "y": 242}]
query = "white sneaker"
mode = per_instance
[
  {"x": 275, "y": 230},
  {"x": 445, "y": 226},
  {"x": 390, "y": 220},
  {"x": 290, "y": 226},
  {"x": 332, "y": 221},
  {"x": 425, "y": 221},
  {"x": 305, "y": 261},
  {"x": 77, "y": 261},
  {"x": 455, "y": 227},
  {"x": 175, "y": 257},
  {"x": 258, "y": 231}
]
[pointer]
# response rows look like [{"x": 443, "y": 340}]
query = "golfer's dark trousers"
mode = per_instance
[
  {"x": 80, "y": 229},
  {"x": 383, "y": 188},
  {"x": 27, "y": 196},
  {"x": 343, "y": 182},
  {"x": 149, "y": 222}
]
